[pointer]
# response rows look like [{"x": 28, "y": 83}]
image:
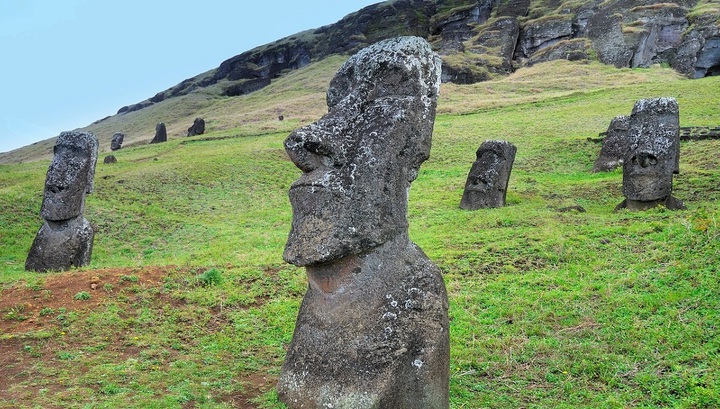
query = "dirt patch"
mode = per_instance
[
  {"x": 23, "y": 307},
  {"x": 32, "y": 336}
]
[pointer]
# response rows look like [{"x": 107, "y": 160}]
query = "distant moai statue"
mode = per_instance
[
  {"x": 197, "y": 128},
  {"x": 487, "y": 181},
  {"x": 65, "y": 238},
  {"x": 372, "y": 330},
  {"x": 653, "y": 156},
  {"x": 160, "y": 133},
  {"x": 614, "y": 145},
  {"x": 117, "y": 141}
]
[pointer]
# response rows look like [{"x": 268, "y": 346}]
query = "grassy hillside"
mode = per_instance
[{"x": 187, "y": 302}]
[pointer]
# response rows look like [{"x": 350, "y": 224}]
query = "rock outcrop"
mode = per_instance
[{"x": 480, "y": 39}]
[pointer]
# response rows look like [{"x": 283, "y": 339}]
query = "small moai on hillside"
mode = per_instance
[
  {"x": 653, "y": 157},
  {"x": 160, "y": 133},
  {"x": 372, "y": 330},
  {"x": 117, "y": 141},
  {"x": 487, "y": 181},
  {"x": 197, "y": 128},
  {"x": 614, "y": 145},
  {"x": 66, "y": 237}
]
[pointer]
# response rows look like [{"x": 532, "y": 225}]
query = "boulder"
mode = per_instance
[
  {"x": 487, "y": 181},
  {"x": 110, "y": 159},
  {"x": 372, "y": 330}
]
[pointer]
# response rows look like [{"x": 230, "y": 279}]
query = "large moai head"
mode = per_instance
[
  {"x": 487, "y": 181},
  {"x": 654, "y": 152},
  {"x": 70, "y": 176},
  {"x": 160, "y": 133},
  {"x": 117, "y": 141},
  {"x": 359, "y": 159}
]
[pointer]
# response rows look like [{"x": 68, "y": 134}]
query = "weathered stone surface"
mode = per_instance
[
  {"x": 487, "y": 181},
  {"x": 160, "y": 133},
  {"x": 543, "y": 33},
  {"x": 614, "y": 145},
  {"x": 624, "y": 33},
  {"x": 197, "y": 128},
  {"x": 372, "y": 331},
  {"x": 571, "y": 50},
  {"x": 653, "y": 155},
  {"x": 65, "y": 239},
  {"x": 110, "y": 159},
  {"x": 59, "y": 246},
  {"x": 117, "y": 141}
]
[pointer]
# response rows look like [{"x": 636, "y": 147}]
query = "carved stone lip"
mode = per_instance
[{"x": 319, "y": 178}]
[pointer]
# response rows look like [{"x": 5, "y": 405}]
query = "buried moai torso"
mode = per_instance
[
  {"x": 614, "y": 145},
  {"x": 487, "y": 181},
  {"x": 372, "y": 330},
  {"x": 197, "y": 128},
  {"x": 653, "y": 155},
  {"x": 65, "y": 239},
  {"x": 160, "y": 133}
]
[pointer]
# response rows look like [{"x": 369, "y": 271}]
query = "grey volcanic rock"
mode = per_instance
[
  {"x": 487, "y": 181},
  {"x": 544, "y": 33},
  {"x": 65, "y": 239},
  {"x": 197, "y": 128},
  {"x": 372, "y": 330},
  {"x": 110, "y": 159},
  {"x": 117, "y": 141},
  {"x": 160, "y": 133},
  {"x": 614, "y": 146},
  {"x": 653, "y": 156},
  {"x": 477, "y": 39}
]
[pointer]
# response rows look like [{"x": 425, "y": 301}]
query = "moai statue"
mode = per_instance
[
  {"x": 197, "y": 128},
  {"x": 487, "y": 181},
  {"x": 117, "y": 141},
  {"x": 614, "y": 145},
  {"x": 653, "y": 157},
  {"x": 372, "y": 330},
  {"x": 65, "y": 238},
  {"x": 160, "y": 133}
]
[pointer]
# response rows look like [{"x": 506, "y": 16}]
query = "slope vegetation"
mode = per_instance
[{"x": 187, "y": 302}]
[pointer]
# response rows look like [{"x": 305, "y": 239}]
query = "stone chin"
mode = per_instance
[{"x": 327, "y": 226}]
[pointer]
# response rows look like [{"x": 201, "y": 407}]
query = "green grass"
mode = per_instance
[{"x": 548, "y": 309}]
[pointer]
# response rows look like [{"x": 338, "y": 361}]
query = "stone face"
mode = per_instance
[
  {"x": 653, "y": 156},
  {"x": 160, "y": 134},
  {"x": 372, "y": 331},
  {"x": 117, "y": 141},
  {"x": 65, "y": 239},
  {"x": 614, "y": 145},
  {"x": 487, "y": 181},
  {"x": 197, "y": 128}
]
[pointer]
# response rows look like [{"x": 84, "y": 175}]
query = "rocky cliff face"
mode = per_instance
[{"x": 480, "y": 39}]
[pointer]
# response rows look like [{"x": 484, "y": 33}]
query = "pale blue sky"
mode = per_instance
[{"x": 67, "y": 63}]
